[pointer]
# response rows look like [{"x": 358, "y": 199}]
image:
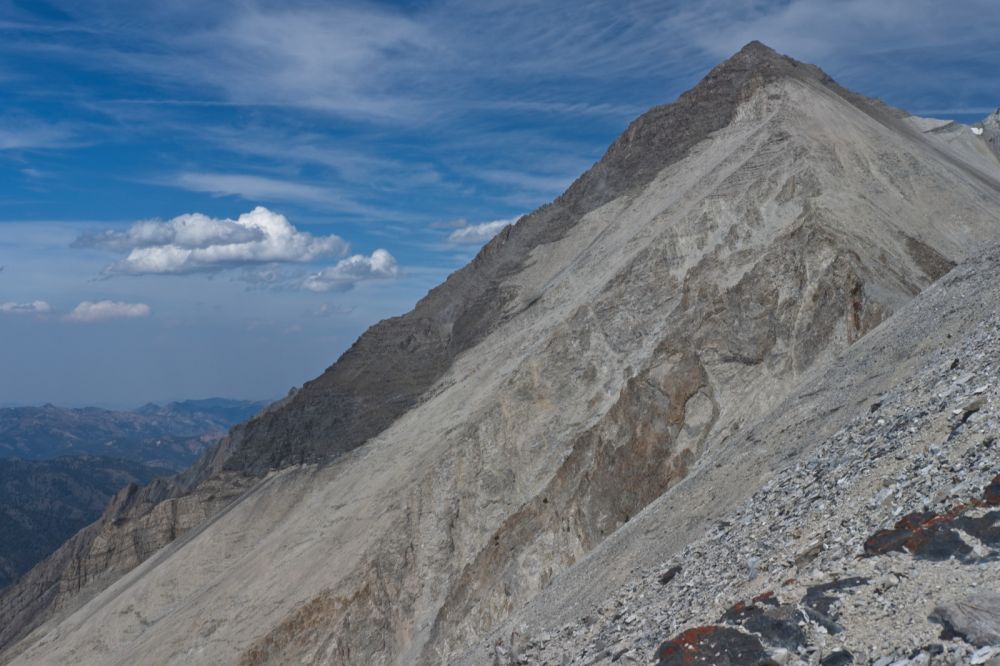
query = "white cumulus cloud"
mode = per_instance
[
  {"x": 196, "y": 242},
  {"x": 89, "y": 311},
  {"x": 477, "y": 234},
  {"x": 35, "y": 307},
  {"x": 347, "y": 272}
]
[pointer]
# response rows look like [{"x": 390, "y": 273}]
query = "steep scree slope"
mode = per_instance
[{"x": 869, "y": 532}]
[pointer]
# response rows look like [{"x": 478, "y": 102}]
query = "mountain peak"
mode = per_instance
[
  {"x": 757, "y": 57},
  {"x": 759, "y": 51}
]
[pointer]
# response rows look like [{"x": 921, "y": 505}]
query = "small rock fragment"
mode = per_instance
[
  {"x": 669, "y": 574},
  {"x": 837, "y": 658}
]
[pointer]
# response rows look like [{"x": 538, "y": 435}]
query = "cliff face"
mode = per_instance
[{"x": 589, "y": 359}]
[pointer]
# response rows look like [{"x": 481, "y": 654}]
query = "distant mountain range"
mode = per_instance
[{"x": 171, "y": 435}]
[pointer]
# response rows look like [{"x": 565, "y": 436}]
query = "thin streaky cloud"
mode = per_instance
[
  {"x": 477, "y": 234},
  {"x": 94, "y": 311},
  {"x": 33, "y": 307},
  {"x": 253, "y": 187},
  {"x": 20, "y": 136}
]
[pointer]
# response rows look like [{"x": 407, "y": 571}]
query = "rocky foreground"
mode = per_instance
[{"x": 879, "y": 544}]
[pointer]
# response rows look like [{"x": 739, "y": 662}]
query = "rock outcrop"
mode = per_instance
[{"x": 602, "y": 352}]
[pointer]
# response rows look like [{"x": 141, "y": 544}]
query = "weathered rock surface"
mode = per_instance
[
  {"x": 976, "y": 618},
  {"x": 609, "y": 352},
  {"x": 873, "y": 517},
  {"x": 137, "y": 523}
]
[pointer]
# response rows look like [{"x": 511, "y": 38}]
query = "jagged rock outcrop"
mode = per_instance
[{"x": 593, "y": 356}]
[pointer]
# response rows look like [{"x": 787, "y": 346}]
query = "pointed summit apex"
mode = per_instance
[
  {"x": 759, "y": 50},
  {"x": 759, "y": 53},
  {"x": 759, "y": 57}
]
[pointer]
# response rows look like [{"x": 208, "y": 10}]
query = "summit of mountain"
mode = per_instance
[
  {"x": 349, "y": 403},
  {"x": 591, "y": 359}
]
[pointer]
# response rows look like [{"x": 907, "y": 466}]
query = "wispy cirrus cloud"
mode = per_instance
[
  {"x": 447, "y": 58},
  {"x": 375, "y": 64},
  {"x": 252, "y": 187},
  {"x": 33, "y": 134},
  {"x": 352, "y": 165},
  {"x": 328, "y": 58},
  {"x": 255, "y": 188},
  {"x": 818, "y": 30},
  {"x": 531, "y": 182}
]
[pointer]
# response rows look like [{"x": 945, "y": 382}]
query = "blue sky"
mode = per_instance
[{"x": 216, "y": 198}]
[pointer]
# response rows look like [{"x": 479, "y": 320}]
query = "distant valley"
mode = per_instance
[
  {"x": 45, "y": 502},
  {"x": 60, "y": 467}
]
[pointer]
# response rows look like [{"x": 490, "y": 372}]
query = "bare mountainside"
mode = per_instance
[
  {"x": 866, "y": 530},
  {"x": 455, "y": 460}
]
